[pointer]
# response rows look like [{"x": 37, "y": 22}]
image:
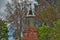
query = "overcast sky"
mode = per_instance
[{"x": 2, "y": 7}]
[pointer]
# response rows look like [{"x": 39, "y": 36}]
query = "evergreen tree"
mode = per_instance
[{"x": 3, "y": 30}]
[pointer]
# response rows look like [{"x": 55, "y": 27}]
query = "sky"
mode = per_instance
[{"x": 2, "y": 7}]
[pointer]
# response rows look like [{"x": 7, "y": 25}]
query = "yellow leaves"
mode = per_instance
[{"x": 48, "y": 14}]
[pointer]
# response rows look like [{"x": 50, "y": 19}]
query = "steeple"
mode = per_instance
[
  {"x": 30, "y": 32},
  {"x": 30, "y": 12}
]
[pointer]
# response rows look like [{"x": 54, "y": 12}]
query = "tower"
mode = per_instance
[{"x": 30, "y": 32}]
